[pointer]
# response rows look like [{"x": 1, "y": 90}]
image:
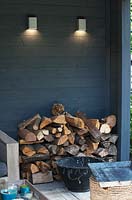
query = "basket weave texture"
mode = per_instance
[{"x": 109, "y": 193}]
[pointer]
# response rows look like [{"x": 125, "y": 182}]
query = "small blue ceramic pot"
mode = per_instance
[
  {"x": 7, "y": 194},
  {"x": 24, "y": 189}
]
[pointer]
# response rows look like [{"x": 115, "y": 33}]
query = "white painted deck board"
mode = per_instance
[{"x": 58, "y": 191}]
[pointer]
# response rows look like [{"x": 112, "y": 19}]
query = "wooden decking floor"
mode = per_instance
[{"x": 58, "y": 191}]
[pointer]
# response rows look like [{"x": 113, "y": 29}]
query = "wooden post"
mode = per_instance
[{"x": 10, "y": 154}]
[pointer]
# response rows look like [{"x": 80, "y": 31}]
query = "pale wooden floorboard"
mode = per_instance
[{"x": 58, "y": 191}]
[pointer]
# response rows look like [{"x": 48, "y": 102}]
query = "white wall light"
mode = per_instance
[
  {"x": 32, "y": 23},
  {"x": 81, "y": 24}
]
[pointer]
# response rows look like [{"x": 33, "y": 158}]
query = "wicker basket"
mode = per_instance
[{"x": 109, "y": 193}]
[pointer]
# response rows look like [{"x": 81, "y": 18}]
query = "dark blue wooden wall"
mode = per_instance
[{"x": 55, "y": 65}]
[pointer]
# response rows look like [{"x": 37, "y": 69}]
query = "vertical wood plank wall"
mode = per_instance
[{"x": 55, "y": 65}]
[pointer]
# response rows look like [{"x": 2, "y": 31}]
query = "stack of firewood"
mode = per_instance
[{"x": 44, "y": 140}]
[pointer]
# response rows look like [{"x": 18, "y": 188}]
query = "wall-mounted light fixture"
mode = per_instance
[
  {"x": 81, "y": 24},
  {"x": 32, "y": 23}
]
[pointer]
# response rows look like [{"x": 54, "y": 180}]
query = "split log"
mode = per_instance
[
  {"x": 105, "y": 128},
  {"x": 57, "y": 109},
  {"x": 66, "y": 144},
  {"x": 34, "y": 158},
  {"x": 95, "y": 123},
  {"x": 21, "y": 141},
  {"x": 60, "y": 119},
  {"x": 44, "y": 131},
  {"x": 45, "y": 122},
  {"x": 71, "y": 138},
  {"x": 101, "y": 152},
  {"x": 59, "y": 129},
  {"x": 42, "y": 177},
  {"x": 41, "y": 149},
  {"x": 51, "y": 129},
  {"x": 83, "y": 131},
  {"x": 110, "y": 120},
  {"x": 25, "y": 123},
  {"x": 112, "y": 150},
  {"x": 53, "y": 149},
  {"x": 92, "y": 147},
  {"x": 36, "y": 123},
  {"x": 113, "y": 139},
  {"x": 72, "y": 149},
  {"x": 105, "y": 137},
  {"x": 61, "y": 151},
  {"x": 82, "y": 141},
  {"x": 54, "y": 167},
  {"x": 94, "y": 132},
  {"x": 58, "y": 135},
  {"x": 83, "y": 147},
  {"x": 28, "y": 150},
  {"x": 27, "y": 135},
  {"x": 66, "y": 131},
  {"x": 75, "y": 121},
  {"x": 62, "y": 139},
  {"x": 39, "y": 135},
  {"x": 30, "y": 167},
  {"x": 49, "y": 138},
  {"x": 43, "y": 166},
  {"x": 105, "y": 144}
]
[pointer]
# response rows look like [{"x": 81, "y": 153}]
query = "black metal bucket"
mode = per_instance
[{"x": 75, "y": 172}]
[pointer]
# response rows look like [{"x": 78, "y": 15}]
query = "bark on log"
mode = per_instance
[
  {"x": 75, "y": 121},
  {"x": 27, "y": 135},
  {"x": 112, "y": 150},
  {"x": 95, "y": 133},
  {"x": 113, "y": 139},
  {"x": 25, "y": 123},
  {"x": 43, "y": 166},
  {"x": 53, "y": 149},
  {"x": 36, "y": 123},
  {"x": 57, "y": 109},
  {"x": 61, "y": 151},
  {"x": 83, "y": 131},
  {"x": 83, "y": 147},
  {"x": 102, "y": 152},
  {"x": 72, "y": 149},
  {"x": 34, "y": 158},
  {"x": 110, "y": 120},
  {"x": 49, "y": 138},
  {"x": 105, "y": 144},
  {"x": 66, "y": 144},
  {"x": 105, "y": 137}
]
